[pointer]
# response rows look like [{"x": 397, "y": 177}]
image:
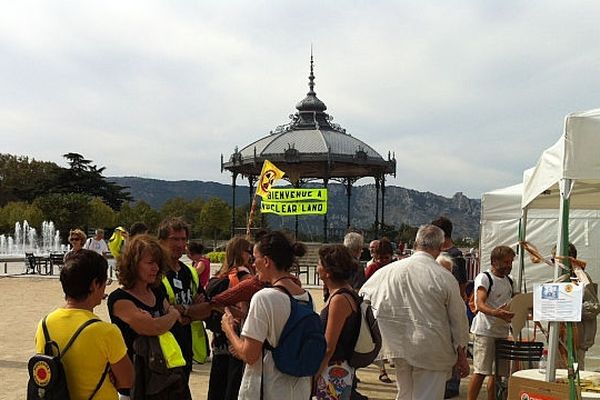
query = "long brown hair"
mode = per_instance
[
  {"x": 234, "y": 252},
  {"x": 135, "y": 250}
]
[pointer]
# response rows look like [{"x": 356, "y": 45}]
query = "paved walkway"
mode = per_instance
[{"x": 26, "y": 299}]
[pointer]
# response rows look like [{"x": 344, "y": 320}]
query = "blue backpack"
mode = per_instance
[{"x": 302, "y": 345}]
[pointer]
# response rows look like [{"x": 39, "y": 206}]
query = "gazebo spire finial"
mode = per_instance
[{"x": 311, "y": 77}]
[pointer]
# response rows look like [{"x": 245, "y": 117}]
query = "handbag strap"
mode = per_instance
[
  {"x": 101, "y": 381},
  {"x": 68, "y": 346},
  {"x": 50, "y": 342},
  {"x": 77, "y": 332}
]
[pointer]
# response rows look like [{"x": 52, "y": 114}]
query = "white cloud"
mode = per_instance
[{"x": 161, "y": 89}]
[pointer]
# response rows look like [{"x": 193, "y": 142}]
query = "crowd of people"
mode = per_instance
[{"x": 419, "y": 301}]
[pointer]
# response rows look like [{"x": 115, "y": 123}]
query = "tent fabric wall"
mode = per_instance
[{"x": 500, "y": 215}]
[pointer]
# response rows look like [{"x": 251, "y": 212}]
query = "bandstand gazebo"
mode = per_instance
[{"x": 310, "y": 148}]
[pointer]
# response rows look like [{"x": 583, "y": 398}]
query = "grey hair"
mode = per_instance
[
  {"x": 354, "y": 242},
  {"x": 429, "y": 237}
]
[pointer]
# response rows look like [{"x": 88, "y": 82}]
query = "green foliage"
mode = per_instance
[
  {"x": 188, "y": 210},
  {"x": 216, "y": 256},
  {"x": 83, "y": 177},
  {"x": 22, "y": 179},
  {"x": 215, "y": 219},
  {"x": 406, "y": 234},
  {"x": 242, "y": 214},
  {"x": 67, "y": 210},
  {"x": 101, "y": 214},
  {"x": 18, "y": 212},
  {"x": 140, "y": 212}
]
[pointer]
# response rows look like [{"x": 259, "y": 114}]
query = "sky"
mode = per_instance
[{"x": 467, "y": 94}]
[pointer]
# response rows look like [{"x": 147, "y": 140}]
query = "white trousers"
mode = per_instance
[{"x": 419, "y": 384}]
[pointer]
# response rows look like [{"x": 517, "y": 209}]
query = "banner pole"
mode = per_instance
[{"x": 251, "y": 218}]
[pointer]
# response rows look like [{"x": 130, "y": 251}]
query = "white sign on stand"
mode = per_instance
[{"x": 557, "y": 302}]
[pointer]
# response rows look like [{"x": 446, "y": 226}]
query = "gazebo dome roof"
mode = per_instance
[{"x": 311, "y": 146}]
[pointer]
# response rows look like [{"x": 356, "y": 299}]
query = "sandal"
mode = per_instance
[{"x": 383, "y": 377}]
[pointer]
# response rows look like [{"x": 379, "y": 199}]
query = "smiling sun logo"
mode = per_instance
[{"x": 568, "y": 288}]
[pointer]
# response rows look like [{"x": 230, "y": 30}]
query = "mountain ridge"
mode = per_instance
[{"x": 402, "y": 205}]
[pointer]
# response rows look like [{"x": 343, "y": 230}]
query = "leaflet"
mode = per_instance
[{"x": 557, "y": 302}]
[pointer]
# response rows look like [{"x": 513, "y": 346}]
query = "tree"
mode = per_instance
[
  {"x": 67, "y": 210},
  {"x": 18, "y": 212},
  {"x": 215, "y": 219},
  {"x": 140, "y": 212},
  {"x": 188, "y": 210},
  {"x": 102, "y": 216},
  {"x": 241, "y": 217},
  {"x": 83, "y": 177},
  {"x": 22, "y": 179}
]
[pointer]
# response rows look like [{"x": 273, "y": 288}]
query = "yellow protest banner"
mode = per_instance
[
  {"x": 290, "y": 195},
  {"x": 294, "y": 208},
  {"x": 269, "y": 174}
]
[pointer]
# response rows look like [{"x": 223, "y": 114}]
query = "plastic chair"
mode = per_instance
[{"x": 516, "y": 356}]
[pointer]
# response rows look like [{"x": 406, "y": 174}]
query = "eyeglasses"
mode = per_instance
[
  {"x": 74, "y": 239},
  {"x": 178, "y": 239}
]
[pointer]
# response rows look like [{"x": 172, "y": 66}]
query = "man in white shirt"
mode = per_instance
[
  {"x": 493, "y": 290},
  {"x": 97, "y": 243},
  {"x": 422, "y": 319}
]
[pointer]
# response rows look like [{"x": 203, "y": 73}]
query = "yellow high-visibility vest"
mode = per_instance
[
  {"x": 171, "y": 350},
  {"x": 199, "y": 338}
]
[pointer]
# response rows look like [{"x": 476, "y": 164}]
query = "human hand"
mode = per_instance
[
  {"x": 200, "y": 311},
  {"x": 174, "y": 310},
  {"x": 228, "y": 322},
  {"x": 504, "y": 314},
  {"x": 462, "y": 366},
  {"x": 200, "y": 298}
]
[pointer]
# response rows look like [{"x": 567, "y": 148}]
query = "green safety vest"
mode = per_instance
[{"x": 199, "y": 338}]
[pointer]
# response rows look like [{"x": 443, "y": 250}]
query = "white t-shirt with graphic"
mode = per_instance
[
  {"x": 99, "y": 246},
  {"x": 267, "y": 316}
]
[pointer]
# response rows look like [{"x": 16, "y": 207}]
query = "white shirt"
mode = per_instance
[
  {"x": 421, "y": 315},
  {"x": 267, "y": 316},
  {"x": 501, "y": 293},
  {"x": 99, "y": 246}
]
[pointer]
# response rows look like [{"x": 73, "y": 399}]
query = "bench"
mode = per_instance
[
  {"x": 56, "y": 259},
  {"x": 34, "y": 264}
]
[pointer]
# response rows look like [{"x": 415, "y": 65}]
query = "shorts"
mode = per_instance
[{"x": 484, "y": 352}]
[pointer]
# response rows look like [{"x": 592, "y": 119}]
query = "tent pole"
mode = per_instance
[
  {"x": 563, "y": 237},
  {"x": 521, "y": 288}
]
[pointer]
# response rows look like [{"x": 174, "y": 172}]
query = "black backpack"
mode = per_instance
[
  {"x": 215, "y": 286},
  {"x": 47, "y": 379}
]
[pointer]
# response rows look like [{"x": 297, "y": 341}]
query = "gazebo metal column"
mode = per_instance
[
  {"x": 377, "y": 206},
  {"x": 297, "y": 186},
  {"x": 348, "y": 195},
  {"x": 233, "y": 185},
  {"x": 382, "y": 200},
  {"x": 325, "y": 239},
  {"x": 251, "y": 180}
]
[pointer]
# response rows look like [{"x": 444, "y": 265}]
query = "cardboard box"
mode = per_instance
[{"x": 529, "y": 389}]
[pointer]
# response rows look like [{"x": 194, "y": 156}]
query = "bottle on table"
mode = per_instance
[{"x": 543, "y": 361}]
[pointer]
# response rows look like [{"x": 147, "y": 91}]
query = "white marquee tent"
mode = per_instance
[
  {"x": 499, "y": 225},
  {"x": 567, "y": 175}
]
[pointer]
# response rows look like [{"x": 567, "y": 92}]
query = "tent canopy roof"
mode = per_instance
[{"x": 574, "y": 156}]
